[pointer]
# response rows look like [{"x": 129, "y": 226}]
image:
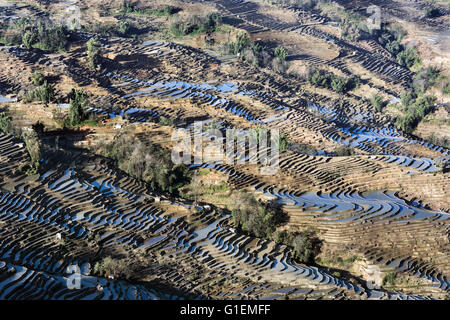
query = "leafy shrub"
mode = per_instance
[
  {"x": 44, "y": 93},
  {"x": 377, "y": 102},
  {"x": 113, "y": 267},
  {"x": 33, "y": 146},
  {"x": 166, "y": 121},
  {"x": 390, "y": 279},
  {"x": 432, "y": 13},
  {"x": 37, "y": 78},
  {"x": 281, "y": 53},
  {"x": 196, "y": 24},
  {"x": 328, "y": 80},
  {"x": 148, "y": 163},
  {"x": 424, "y": 79},
  {"x": 128, "y": 7},
  {"x": 253, "y": 217},
  {"x": 343, "y": 151},
  {"x": 408, "y": 57},
  {"x": 408, "y": 98},
  {"x": 77, "y": 107},
  {"x": 44, "y": 36},
  {"x": 93, "y": 49},
  {"x": 5, "y": 123}
]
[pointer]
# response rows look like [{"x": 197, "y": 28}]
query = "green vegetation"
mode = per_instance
[
  {"x": 253, "y": 217},
  {"x": 281, "y": 53},
  {"x": 415, "y": 104},
  {"x": 432, "y": 13},
  {"x": 304, "y": 149},
  {"x": 424, "y": 79},
  {"x": 93, "y": 49},
  {"x": 303, "y": 248},
  {"x": 257, "y": 54},
  {"x": 164, "y": 121},
  {"x": 330, "y": 81},
  {"x": 195, "y": 25},
  {"x": 37, "y": 78},
  {"x": 304, "y": 4},
  {"x": 223, "y": 186},
  {"x": 6, "y": 123},
  {"x": 128, "y": 8},
  {"x": 442, "y": 141},
  {"x": 78, "y": 102},
  {"x": 44, "y": 93},
  {"x": 408, "y": 98},
  {"x": 377, "y": 102},
  {"x": 113, "y": 267},
  {"x": 284, "y": 142},
  {"x": 305, "y": 245},
  {"x": 443, "y": 166},
  {"x": 389, "y": 279},
  {"x": 408, "y": 57},
  {"x": 148, "y": 163},
  {"x": 414, "y": 112},
  {"x": 34, "y": 149},
  {"x": 42, "y": 36},
  {"x": 343, "y": 151}
]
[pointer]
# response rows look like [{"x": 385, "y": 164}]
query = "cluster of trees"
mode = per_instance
[
  {"x": 257, "y": 54},
  {"x": 305, "y": 149},
  {"x": 390, "y": 38},
  {"x": 416, "y": 105},
  {"x": 343, "y": 151},
  {"x": 118, "y": 268},
  {"x": 78, "y": 103},
  {"x": 6, "y": 125},
  {"x": 128, "y": 7},
  {"x": 377, "y": 102},
  {"x": 148, "y": 163},
  {"x": 432, "y": 13},
  {"x": 414, "y": 110},
  {"x": 43, "y": 91},
  {"x": 94, "y": 55},
  {"x": 34, "y": 148},
  {"x": 195, "y": 24},
  {"x": 352, "y": 26},
  {"x": 282, "y": 141},
  {"x": 44, "y": 36},
  {"x": 305, "y": 245},
  {"x": 254, "y": 217},
  {"x": 123, "y": 28},
  {"x": 443, "y": 166},
  {"x": 439, "y": 141},
  {"x": 330, "y": 81},
  {"x": 424, "y": 79},
  {"x": 304, "y": 4},
  {"x": 31, "y": 139},
  {"x": 389, "y": 279}
]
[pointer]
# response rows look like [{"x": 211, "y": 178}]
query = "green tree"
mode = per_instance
[
  {"x": 5, "y": 123},
  {"x": 77, "y": 107},
  {"x": 37, "y": 78},
  {"x": 377, "y": 102},
  {"x": 281, "y": 53},
  {"x": 93, "y": 49},
  {"x": 33, "y": 146},
  {"x": 28, "y": 39},
  {"x": 303, "y": 248}
]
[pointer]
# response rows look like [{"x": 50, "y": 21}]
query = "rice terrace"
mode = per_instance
[{"x": 224, "y": 150}]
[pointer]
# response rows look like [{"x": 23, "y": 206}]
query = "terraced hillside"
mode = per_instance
[{"x": 90, "y": 207}]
